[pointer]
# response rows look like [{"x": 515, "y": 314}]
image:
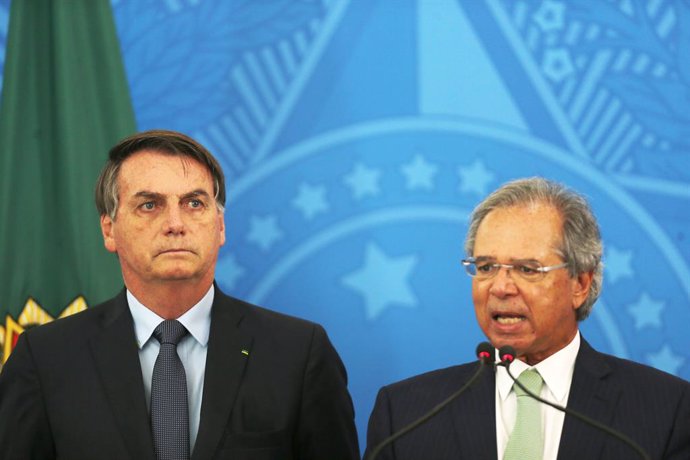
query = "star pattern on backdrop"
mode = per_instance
[
  {"x": 647, "y": 312},
  {"x": 419, "y": 174},
  {"x": 363, "y": 181},
  {"x": 232, "y": 270},
  {"x": 557, "y": 64},
  {"x": 475, "y": 178},
  {"x": 666, "y": 360},
  {"x": 383, "y": 281},
  {"x": 550, "y": 16},
  {"x": 310, "y": 200},
  {"x": 264, "y": 231},
  {"x": 618, "y": 264}
]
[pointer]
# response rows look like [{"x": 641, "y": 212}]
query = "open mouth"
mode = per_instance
[{"x": 508, "y": 319}]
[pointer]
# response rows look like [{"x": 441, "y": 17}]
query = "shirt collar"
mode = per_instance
[
  {"x": 197, "y": 319},
  {"x": 556, "y": 370}
]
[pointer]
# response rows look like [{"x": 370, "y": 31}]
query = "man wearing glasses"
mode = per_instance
[{"x": 534, "y": 255}]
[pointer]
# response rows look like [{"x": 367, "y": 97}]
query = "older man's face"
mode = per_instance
[
  {"x": 536, "y": 318},
  {"x": 167, "y": 226}
]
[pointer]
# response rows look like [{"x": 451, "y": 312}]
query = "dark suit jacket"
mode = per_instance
[
  {"x": 73, "y": 389},
  {"x": 651, "y": 407}
]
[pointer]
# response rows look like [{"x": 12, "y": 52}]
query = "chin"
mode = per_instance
[
  {"x": 175, "y": 268},
  {"x": 177, "y": 275},
  {"x": 515, "y": 342},
  {"x": 498, "y": 343}
]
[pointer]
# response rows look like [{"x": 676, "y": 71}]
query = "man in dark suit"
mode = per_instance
[
  {"x": 259, "y": 385},
  {"x": 535, "y": 261}
]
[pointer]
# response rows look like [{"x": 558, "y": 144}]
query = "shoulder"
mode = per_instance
[
  {"x": 79, "y": 326},
  {"x": 64, "y": 343},
  {"x": 257, "y": 316},
  {"x": 276, "y": 330},
  {"x": 404, "y": 401},
  {"x": 629, "y": 372},
  {"x": 640, "y": 386},
  {"x": 637, "y": 372},
  {"x": 433, "y": 385}
]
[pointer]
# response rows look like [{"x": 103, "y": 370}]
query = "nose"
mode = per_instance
[
  {"x": 174, "y": 224},
  {"x": 503, "y": 284}
]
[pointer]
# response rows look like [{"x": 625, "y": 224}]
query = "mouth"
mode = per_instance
[
  {"x": 508, "y": 318},
  {"x": 174, "y": 251}
]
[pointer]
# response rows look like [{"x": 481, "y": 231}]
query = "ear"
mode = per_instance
[
  {"x": 221, "y": 227},
  {"x": 108, "y": 231},
  {"x": 581, "y": 286}
]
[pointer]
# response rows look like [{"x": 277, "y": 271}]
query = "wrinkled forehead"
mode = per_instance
[
  {"x": 158, "y": 171},
  {"x": 519, "y": 232}
]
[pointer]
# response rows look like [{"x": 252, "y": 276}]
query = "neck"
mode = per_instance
[
  {"x": 536, "y": 358},
  {"x": 170, "y": 300}
]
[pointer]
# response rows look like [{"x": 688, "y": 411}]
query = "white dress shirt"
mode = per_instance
[
  {"x": 557, "y": 372},
  {"x": 191, "y": 349}
]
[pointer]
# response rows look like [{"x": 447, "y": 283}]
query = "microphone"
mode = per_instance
[
  {"x": 485, "y": 353},
  {"x": 507, "y": 355}
]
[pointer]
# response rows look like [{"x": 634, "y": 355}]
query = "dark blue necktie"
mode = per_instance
[{"x": 169, "y": 410}]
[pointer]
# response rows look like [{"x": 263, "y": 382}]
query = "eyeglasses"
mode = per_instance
[{"x": 529, "y": 270}]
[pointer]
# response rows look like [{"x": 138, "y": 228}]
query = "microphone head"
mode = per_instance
[
  {"x": 507, "y": 354},
  {"x": 486, "y": 353}
]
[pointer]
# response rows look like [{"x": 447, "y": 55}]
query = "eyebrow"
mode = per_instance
[
  {"x": 513, "y": 260},
  {"x": 148, "y": 195},
  {"x": 159, "y": 196},
  {"x": 195, "y": 193}
]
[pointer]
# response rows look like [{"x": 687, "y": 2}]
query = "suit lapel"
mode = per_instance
[
  {"x": 474, "y": 418},
  {"x": 229, "y": 348},
  {"x": 116, "y": 358},
  {"x": 591, "y": 395}
]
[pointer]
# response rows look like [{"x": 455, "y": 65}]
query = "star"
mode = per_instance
[
  {"x": 419, "y": 173},
  {"x": 618, "y": 264},
  {"x": 363, "y": 181},
  {"x": 646, "y": 312},
  {"x": 557, "y": 64},
  {"x": 475, "y": 178},
  {"x": 550, "y": 16},
  {"x": 382, "y": 281},
  {"x": 666, "y": 360},
  {"x": 230, "y": 271},
  {"x": 311, "y": 200},
  {"x": 264, "y": 232}
]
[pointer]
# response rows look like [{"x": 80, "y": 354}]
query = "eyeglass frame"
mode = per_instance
[{"x": 541, "y": 269}]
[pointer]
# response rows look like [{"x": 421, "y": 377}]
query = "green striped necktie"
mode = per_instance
[{"x": 526, "y": 442}]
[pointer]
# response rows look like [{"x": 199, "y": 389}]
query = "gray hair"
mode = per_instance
[
  {"x": 581, "y": 247},
  {"x": 161, "y": 141}
]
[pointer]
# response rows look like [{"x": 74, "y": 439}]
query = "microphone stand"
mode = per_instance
[{"x": 484, "y": 359}]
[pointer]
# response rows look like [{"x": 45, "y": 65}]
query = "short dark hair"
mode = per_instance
[
  {"x": 161, "y": 141},
  {"x": 581, "y": 246}
]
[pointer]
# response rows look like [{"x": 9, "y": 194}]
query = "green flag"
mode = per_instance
[{"x": 65, "y": 101}]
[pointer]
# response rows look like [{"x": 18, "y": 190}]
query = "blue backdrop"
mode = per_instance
[{"x": 358, "y": 135}]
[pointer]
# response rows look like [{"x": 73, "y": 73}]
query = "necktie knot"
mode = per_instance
[
  {"x": 531, "y": 380},
  {"x": 169, "y": 331}
]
